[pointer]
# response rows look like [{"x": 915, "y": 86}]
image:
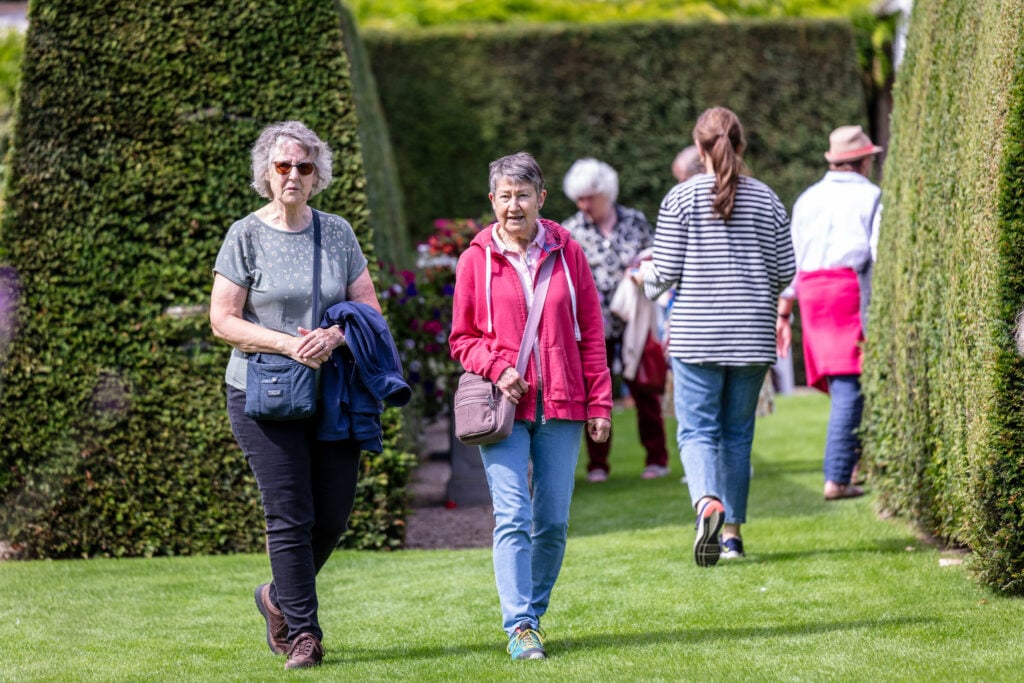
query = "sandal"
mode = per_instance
[{"x": 834, "y": 491}]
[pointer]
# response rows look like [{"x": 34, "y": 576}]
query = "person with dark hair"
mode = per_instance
[
  {"x": 262, "y": 302},
  {"x": 564, "y": 388},
  {"x": 723, "y": 242},
  {"x": 835, "y": 236},
  {"x": 614, "y": 238}
]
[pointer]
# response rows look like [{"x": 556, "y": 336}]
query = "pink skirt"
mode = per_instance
[{"x": 830, "y": 321}]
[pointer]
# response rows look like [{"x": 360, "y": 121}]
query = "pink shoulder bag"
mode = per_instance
[{"x": 482, "y": 413}]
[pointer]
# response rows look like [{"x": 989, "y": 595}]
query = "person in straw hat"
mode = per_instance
[{"x": 835, "y": 237}]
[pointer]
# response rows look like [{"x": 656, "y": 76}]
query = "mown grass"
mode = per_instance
[{"x": 829, "y": 592}]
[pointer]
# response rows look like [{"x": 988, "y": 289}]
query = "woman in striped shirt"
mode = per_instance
[{"x": 723, "y": 241}]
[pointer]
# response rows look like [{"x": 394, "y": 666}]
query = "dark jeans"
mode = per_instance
[
  {"x": 307, "y": 488},
  {"x": 650, "y": 424}
]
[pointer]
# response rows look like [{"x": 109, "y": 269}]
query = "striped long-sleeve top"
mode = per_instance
[{"x": 727, "y": 274}]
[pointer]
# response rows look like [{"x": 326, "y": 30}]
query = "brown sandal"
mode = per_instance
[{"x": 834, "y": 491}]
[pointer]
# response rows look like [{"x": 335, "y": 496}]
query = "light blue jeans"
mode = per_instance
[
  {"x": 842, "y": 443},
  {"x": 530, "y": 531},
  {"x": 716, "y": 407}
]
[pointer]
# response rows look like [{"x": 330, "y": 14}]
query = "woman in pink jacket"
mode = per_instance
[{"x": 566, "y": 386}]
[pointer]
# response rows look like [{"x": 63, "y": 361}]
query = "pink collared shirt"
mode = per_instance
[{"x": 526, "y": 268}]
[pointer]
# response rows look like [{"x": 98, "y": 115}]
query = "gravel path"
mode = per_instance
[
  {"x": 431, "y": 525},
  {"x": 433, "y": 522}
]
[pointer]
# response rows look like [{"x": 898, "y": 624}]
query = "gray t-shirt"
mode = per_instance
[{"x": 276, "y": 266}]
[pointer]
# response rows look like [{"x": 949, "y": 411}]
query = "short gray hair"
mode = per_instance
[
  {"x": 589, "y": 176},
  {"x": 272, "y": 136},
  {"x": 520, "y": 167}
]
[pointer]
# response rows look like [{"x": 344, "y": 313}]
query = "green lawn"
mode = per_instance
[{"x": 829, "y": 592}]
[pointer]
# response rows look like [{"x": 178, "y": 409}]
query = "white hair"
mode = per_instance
[{"x": 589, "y": 176}]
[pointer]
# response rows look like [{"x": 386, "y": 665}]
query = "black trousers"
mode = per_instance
[{"x": 307, "y": 488}]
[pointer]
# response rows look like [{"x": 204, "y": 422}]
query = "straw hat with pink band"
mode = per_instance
[{"x": 849, "y": 143}]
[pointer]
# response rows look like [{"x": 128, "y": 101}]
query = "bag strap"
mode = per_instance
[
  {"x": 316, "y": 271},
  {"x": 533, "y": 320}
]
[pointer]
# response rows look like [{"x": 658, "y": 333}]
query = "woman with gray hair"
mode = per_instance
[
  {"x": 561, "y": 391},
  {"x": 262, "y": 302},
  {"x": 614, "y": 238}
]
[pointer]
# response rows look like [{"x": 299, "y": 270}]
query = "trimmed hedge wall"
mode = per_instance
[
  {"x": 944, "y": 419},
  {"x": 626, "y": 93},
  {"x": 11, "y": 44},
  {"x": 383, "y": 193},
  {"x": 129, "y": 162}
]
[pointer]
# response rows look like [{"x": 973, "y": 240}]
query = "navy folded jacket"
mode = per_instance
[{"x": 360, "y": 377}]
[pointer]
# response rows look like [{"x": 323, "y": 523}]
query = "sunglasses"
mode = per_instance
[{"x": 284, "y": 168}]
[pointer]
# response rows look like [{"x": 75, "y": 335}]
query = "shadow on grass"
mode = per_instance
[
  {"x": 617, "y": 639},
  {"x": 885, "y": 546},
  {"x": 626, "y": 502},
  {"x": 696, "y": 635}
]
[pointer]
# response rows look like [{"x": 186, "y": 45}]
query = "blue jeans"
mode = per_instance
[
  {"x": 307, "y": 488},
  {"x": 530, "y": 531},
  {"x": 715, "y": 406},
  {"x": 842, "y": 443}
]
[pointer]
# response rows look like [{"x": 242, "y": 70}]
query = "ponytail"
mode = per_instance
[{"x": 720, "y": 134}]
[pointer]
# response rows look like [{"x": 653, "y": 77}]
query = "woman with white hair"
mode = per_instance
[{"x": 613, "y": 238}]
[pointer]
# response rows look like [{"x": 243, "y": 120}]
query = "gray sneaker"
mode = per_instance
[{"x": 706, "y": 548}]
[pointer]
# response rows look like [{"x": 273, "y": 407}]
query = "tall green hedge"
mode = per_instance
[
  {"x": 626, "y": 93},
  {"x": 129, "y": 162},
  {"x": 11, "y": 44},
  {"x": 944, "y": 421},
  {"x": 383, "y": 193},
  {"x": 420, "y": 13}
]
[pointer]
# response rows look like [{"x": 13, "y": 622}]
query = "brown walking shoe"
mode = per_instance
[
  {"x": 277, "y": 627},
  {"x": 306, "y": 651}
]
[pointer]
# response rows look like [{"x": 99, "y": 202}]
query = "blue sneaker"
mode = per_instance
[
  {"x": 732, "y": 548},
  {"x": 710, "y": 517},
  {"x": 526, "y": 643}
]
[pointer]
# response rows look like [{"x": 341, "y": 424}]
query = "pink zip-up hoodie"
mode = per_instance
[{"x": 489, "y": 316}]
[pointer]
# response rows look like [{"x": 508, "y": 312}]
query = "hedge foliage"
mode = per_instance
[
  {"x": 405, "y": 14},
  {"x": 11, "y": 44},
  {"x": 129, "y": 162},
  {"x": 626, "y": 93},
  {"x": 383, "y": 193},
  {"x": 944, "y": 420}
]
